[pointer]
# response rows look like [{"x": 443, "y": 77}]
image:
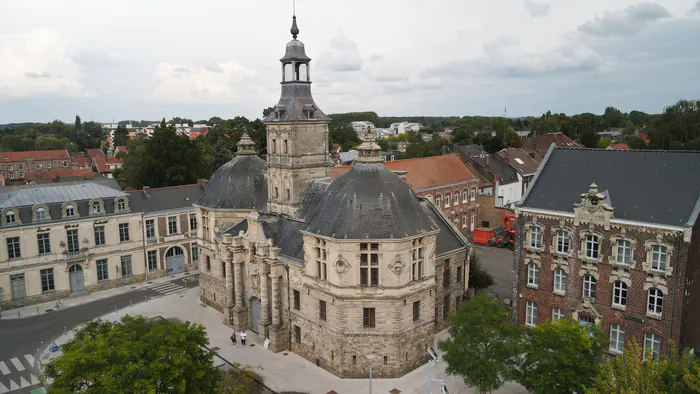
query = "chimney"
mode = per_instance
[
  {"x": 401, "y": 174},
  {"x": 147, "y": 191},
  {"x": 486, "y": 166}
]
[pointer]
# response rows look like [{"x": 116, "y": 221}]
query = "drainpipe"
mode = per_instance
[
  {"x": 289, "y": 304},
  {"x": 143, "y": 241},
  {"x": 516, "y": 268},
  {"x": 675, "y": 286}
]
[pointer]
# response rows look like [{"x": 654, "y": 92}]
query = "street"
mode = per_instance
[
  {"x": 499, "y": 263},
  {"x": 21, "y": 339}
]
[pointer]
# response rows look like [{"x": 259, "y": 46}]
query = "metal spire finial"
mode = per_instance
[{"x": 294, "y": 30}]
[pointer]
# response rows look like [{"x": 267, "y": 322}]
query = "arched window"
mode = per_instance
[
  {"x": 10, "y": 216},
  {"x": 456, "y": 200},
  {"x": 530, "y": 313},
  {"x": 288, "y": 73},
  {"x": 302, "y": 72},
  {"x": 208, "y": 263},
  {"x": 533, "y": 274},
  {"x": 559, "y": 281},
  {"x": 70, "y": 210},
  {"x": 40, "y": 213},
  {"x": 437, "y": 200},
  {"x": 174, "y": 251},
  {"x": 655, "y": 304},
  {"x": 465, "y": 196},
  {"x": 96, "y": 207},
  {"x": 121, "y": 204}
]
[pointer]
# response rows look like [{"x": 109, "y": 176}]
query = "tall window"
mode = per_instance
[
  {"x": 150, "y": 228},
  {"x": 446, "y": 274},
  {"x": 40, "y": 213},
  {"x": 99, "y": 232},
  {"x": 10, "y": 217},
  {"x": 533, "y": 274},
  {"x": 592, "y": 246},
  {"x": 152, "y": 258},
  {"x": 13, "y": 249},
  {"x": 193, "y": 221},
  {"x": 172, "y": 224},
  {"x": 445, "y": 306},
  {"x": 73, "y": 245},
  {"x": 123, "y": 232},
  {"x": 655, "y": 302},
  {"x": 617, "y": 338},
  {"x": 47, "y": 283},
  {"x": 465, "y": 196},
  {"x": 195, "y": 253},
  {"x": 437, "y": 200},
  {"x": 456, "y": 199},
  {"x": 321, "y": 262},
  {"x": 535, "y": 237},
  {"x": 559, "y": 281},
  {"x": 589, "y": 286},
  {"x": 322, "y": 310},
  {"x": 96, "y": 207},
  {"x": 297, "y": 334},
  {"x": 464, "y": 219},
  {"x": 659, "y": 258},
  {"x": 557, "y": 313},
  {"x": 459, "y": 275},
  {"x": 297, "y": 300},
  {"x": 274, "y": 146},
  {"x": 417, "y": 259},
  {"x": 121, "y": 205},
  {"x": 624, "y": 252},
  {"x": 286, "y": 147},
  {"x": 530, "y": 313},
  {"x": 102, "y": 270},
  {"x": 369, "y": 264},
  {"x": 562, "y": 241},
  {"x": 652, "y": 345},
  {"x": 44, "y": 243},
  {"x": 619, "y": 293},
  {"x": 126, "y": 265},
  {"x": 416, "y": 311},
  {"x": 70, "y": 210},
  {"x": 447, "y": 199},
  {"x": 368, "y": 318},
  {"x": 473, "y": 193}
]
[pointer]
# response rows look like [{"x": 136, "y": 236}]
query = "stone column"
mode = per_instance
[
  {"x": 279, "y": 330},
  {"x": 276, "y": 302},
  {"x": 240, "y": 312},
  {"x": 264, "y": 295},
  {"x": 228, "y": 305}
]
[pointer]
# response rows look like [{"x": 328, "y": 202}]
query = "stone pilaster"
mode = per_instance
[
  {"x": 240, "y": 312},
  {"x": 264, "y": 300},
  {"x": 279, "y": 332},
  {"x": 228, "y": 305}
]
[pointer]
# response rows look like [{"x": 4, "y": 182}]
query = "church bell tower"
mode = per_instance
[{"x": 297, "y": 134}]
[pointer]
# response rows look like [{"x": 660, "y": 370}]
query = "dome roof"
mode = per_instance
[
  {"x": 239, "y": 184},
  {"x": 368, "y": 202}
]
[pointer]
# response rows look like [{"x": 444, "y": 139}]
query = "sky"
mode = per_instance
[{"x": 149, "y": 59}]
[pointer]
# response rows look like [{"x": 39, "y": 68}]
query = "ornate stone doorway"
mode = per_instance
[{"x": 77, "y": 280}]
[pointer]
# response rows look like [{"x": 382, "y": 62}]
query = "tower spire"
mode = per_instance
[{"x": 294, "y": 30}]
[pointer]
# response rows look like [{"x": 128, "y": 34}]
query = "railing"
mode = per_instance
[{"x": 77, "y": 255}]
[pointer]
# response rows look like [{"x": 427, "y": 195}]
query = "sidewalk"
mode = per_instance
[
  {"x": 283, "y": 372},
  {"x": 84, "y": 298}
]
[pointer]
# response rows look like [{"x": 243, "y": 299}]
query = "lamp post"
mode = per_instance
[{"x": 371, "y": 358}]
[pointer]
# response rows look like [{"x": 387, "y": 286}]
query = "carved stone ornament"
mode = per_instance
[
  {"x": 341, "y": 266},
  {"x": 397, "y": 266},
  {"x": 255, "y": 283}
]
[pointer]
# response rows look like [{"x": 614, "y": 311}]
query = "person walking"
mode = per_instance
[
  {"x": 243, "y": 337},
  {"x": 233, "y": 339}
]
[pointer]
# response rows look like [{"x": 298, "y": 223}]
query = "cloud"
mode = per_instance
[
  {"x": 625, "y": 22},
  {"x": 203, "y": 83},
  {"x": 343, "y": 55},
  {"x": 379, "y": 69},
  {"x": 39, "y": 63},
  {"x": 696, "y": 8},
  {"x": 537, "y": 8}
]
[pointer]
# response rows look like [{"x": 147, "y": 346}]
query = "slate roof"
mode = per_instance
[
  {"x": 165, "y": 198},
  {"x": 368, "y": 202},
  {"x": 505, "y": 173},
  {"x": 239, "y": 184},
  {"x": 448, "y": 239},
  {"x": 471, "y": 150},
  {"x": 520, "y": 160},
  {"x": 660, "y": 187}
]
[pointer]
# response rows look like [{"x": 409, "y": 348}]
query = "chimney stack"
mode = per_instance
[
  {"x": 147, "y": 191},
  {"x": 401, "y": 174}
]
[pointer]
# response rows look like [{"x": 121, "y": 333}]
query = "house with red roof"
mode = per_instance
[
  {"x": 106, "y": 165},
  {"x": 14, "y": 165},
  {"x": 536, "y": 147}
]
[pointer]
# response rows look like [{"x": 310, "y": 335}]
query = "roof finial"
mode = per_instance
[{"x": 294, "y": 30}]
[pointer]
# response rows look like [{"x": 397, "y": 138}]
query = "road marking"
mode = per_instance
[
  {"x": 23, "y": 382},
  {"x": 17, "y": 364},
  {"x": 3, "y": 389},
  {"x": 4, "y": 369},
  {"x": 34, "y": 380},
  {"x": 13, "y": 385},
  {"x": 29, "y": 358}
]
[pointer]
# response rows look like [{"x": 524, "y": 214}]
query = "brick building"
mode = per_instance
[
  {"x": 612, "y": 238},
  {"x": 14, "y": 165},
  {"x": 445, "y": 180},
  {"x": 538, "y": 145}
]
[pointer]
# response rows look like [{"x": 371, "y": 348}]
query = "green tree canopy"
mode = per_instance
[
  {"x": 479, "y": 278},
  {"x": 561, "y": 357},
  {"x": 484, "y": 345},
  {"x": 604, "y": 142},
  {"x": 136, "y": 355},
  {"x": 613, "y": 117},
  {"x": 121, "y": 136},
  {"x": 463, "y": 134},
  {"x": 12, "y": 143}
]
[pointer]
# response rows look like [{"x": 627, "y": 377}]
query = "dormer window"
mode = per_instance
[
  {"x": 70, "y": 210},
  {"x": 10, "y": 217},
  {"x": 96, "y": 207},
  {"x": 40, "y": 213},
  {"x": 312, "y": 114},
  {"x": 121, "y": 205}
]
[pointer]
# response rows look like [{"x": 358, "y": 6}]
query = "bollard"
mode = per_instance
[
  {"x": 18, "y": 313},
  {"x": 145, "y": 298},
  {"x": 37, "y": 310},
  {"x": 64, "y": 330},
  {"x": 129, "y": 303},
  {"x": 51, "y": 338},
  {"x": 115, "y": 309}
]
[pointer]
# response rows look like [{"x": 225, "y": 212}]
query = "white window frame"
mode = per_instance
[
  {"x": 592, "y": 244},
  {"x": 43, "y": 213},
  {"x": 472, "y": 193},
  {"x": 557, "y": 313},
  {"x": 623, "y": 252},
  {"x": 447, "y": 199},
  {"x": 96, "y": 207},
  {"x": 464, "y": 220},
  {"x": 530, "y": 313},
  {"x": 655, "y": 302},
  {"x": 455, "y": 198},
  {"x": 619, "y": 296},
  {"x": 70, "y": 210},
  {"x": 559, "y": 281},
  {"x": 535, "y": 237},
  {"x": 652, "y": 342},
  {"x": 437, "y": 200},
  {"x": 533, "y": 275},
  {"x": 657, "y": 264},
  {"x": 617, "y": 339},
  {"x": 10, "y": 216},
  {"x": 171, "y": 221},
  {"x": 465, "y": 196},
  {"x": 563, "y": 241},
  {"x": 590, "y": 287},
  {"x": 193, "y": 220}
]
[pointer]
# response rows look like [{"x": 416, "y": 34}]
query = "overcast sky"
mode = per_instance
[{"x": 148, "y": 59}]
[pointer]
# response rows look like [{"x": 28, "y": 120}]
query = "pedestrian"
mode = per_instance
[
  {"x": 233, "y": 339},
  {"x": 243, "y": 337}
]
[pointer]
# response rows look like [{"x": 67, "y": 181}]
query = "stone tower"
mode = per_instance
[{"x": 297, "y": 134}]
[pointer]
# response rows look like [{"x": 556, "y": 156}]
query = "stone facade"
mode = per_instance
[{"x": 609, "y": 267}]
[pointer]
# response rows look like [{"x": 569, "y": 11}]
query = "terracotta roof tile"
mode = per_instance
[
  {"x": 93, "y": 153},
  {"x": 78, "y": 172},
  {"x": 520, "y": 160},
  {"x": 425, "y": 172},
  {"x": 620, "y": 146},
  {"x": 34, "y": 155},
  {"x": 101, "y": 165}
]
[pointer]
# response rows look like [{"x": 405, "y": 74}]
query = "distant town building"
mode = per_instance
[
  {"x": 14, "y": 165},
  {"x": 538, "y": 145},
  {"x": 402, "y": 127},
  {"x": 362, "y": 127}
]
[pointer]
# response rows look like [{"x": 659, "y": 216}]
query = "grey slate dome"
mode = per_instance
[
  {"x": 239, "y": 184},
  {"x": 368, "y": 202}
]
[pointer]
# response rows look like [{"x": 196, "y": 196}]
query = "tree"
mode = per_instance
[
  {"x": 344, "y": 135},
  {"x": 604, "y": 142},
  {"x": 383, "y": 144},
  {"x": 613, "y": 117},
  {"x": 511, "y": 139},
  {"x": 484, "y": 345},
  {"x": 463, "y": 135},
  {"x": 121, "y": 136},
  {"x": 479, "y": 278},
  {"x": 239, "y": 382},
  {"x": 589, "y": 138},
  {"x": 90, "y": 135},
  {"x": 12, "y": 143},
  {"x": 143, "y": 355},
  {"x": 561, "y": 357},
  {"x": 635, "y": 142},
  {"x": 78, "y": 123},
  {"x": 220, "y": 155},
  {"x": 268, "y": 111}
]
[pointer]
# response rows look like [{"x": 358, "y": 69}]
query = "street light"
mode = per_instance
[
  {"x": 370, "y": 357},
  {"x": 435, "y": 358}
]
